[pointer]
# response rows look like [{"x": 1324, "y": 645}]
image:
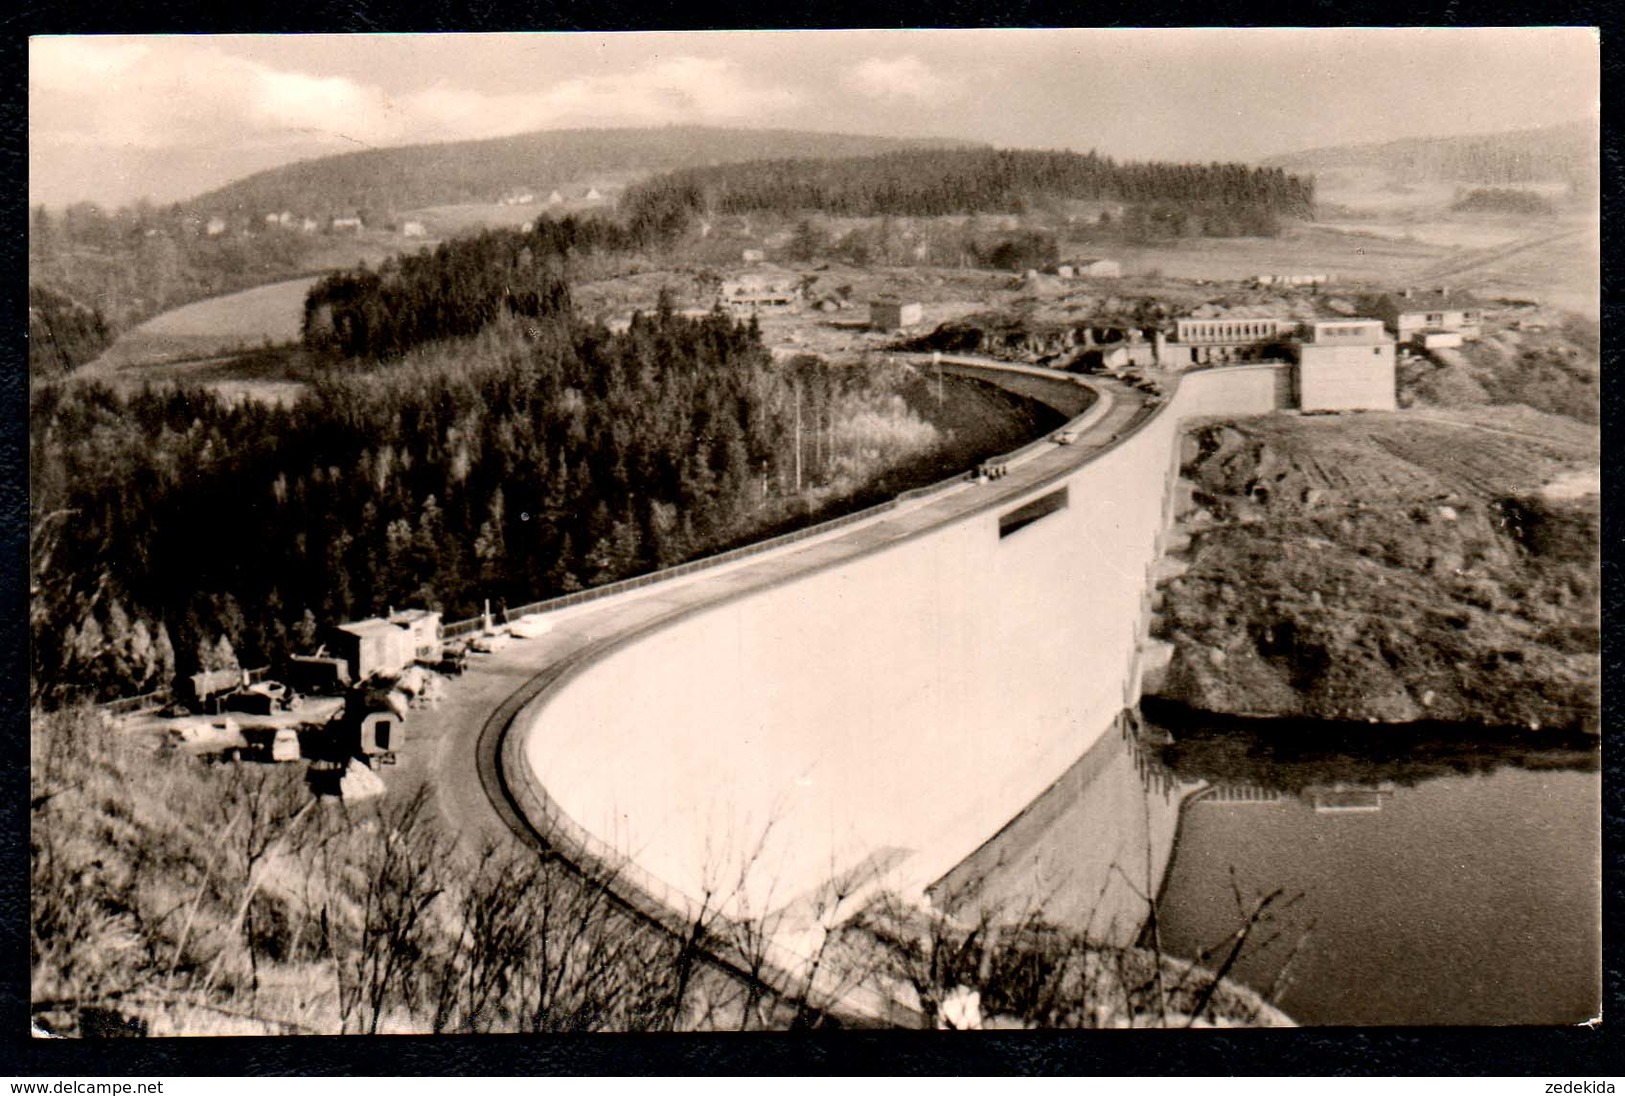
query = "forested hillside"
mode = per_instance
[
  {"x": 549, "y": 457},
  {"x": 379, "y": 180},
  {"x": 466, "y": 437},
  {"x": 1567, "y": 153},
  {"x": 131, "y": 264},
  {"x": 461, "y": 286},
  {"x": 62, "y": 333},
  {"x": 1217, "y": 199}
]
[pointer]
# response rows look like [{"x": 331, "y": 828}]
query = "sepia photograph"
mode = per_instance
[{"x": 796, "y": 531}]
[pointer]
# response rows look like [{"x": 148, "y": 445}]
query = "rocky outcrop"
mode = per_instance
[{"x": 1369, "y": 568}]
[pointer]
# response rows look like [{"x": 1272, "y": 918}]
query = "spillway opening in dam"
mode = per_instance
[{"x": 1037, "y": 509}]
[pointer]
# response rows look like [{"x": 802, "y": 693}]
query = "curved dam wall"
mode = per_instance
[{"x": 877, "y": 721}]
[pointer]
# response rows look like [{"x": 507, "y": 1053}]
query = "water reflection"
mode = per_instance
[
  {"x": 1296, "y": 756},
  {"x": 1089, "y": 854},
  {"x": 1448, "y": 877},
  {"x": 1426, "y": 875}
]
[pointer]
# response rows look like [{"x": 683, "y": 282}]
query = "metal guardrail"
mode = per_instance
[
  {"x": 661, "y": 901},
  {"x": 733, "y": 555},
  {"x": 127, "y": 704},
  {"x": 459, "y": 628}
]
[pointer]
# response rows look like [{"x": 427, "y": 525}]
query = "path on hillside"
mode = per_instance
[{"x": 1458, "y": 265}]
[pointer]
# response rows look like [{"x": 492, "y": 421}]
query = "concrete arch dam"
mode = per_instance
[{"x": 867, "y": 708}]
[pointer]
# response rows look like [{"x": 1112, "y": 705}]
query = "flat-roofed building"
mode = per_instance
[
  {"x": 373, "y": 647},
  {"x": 891, "y": 314},
  {"x": 1231, "y": 331},
  {"x": 422, "y": 628},
  {"x": 1223, "y": 340},
  {"x": 761, "y": 289},
  {"x": 1345, "y": 365}
]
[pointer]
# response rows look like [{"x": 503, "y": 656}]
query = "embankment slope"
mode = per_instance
[{"x": 1422, "y": 565}]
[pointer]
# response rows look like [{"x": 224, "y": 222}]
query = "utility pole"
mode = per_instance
[
  {"x": 818, "y": 439},
  {"x": 936, "y": 362},
  {"x": 798, "y": 437}
]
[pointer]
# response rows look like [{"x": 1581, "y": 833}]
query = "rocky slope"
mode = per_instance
[{"x": 1437, "y": 565}]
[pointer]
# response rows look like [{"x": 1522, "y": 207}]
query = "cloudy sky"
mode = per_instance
[{"x": 116, "y": 118}]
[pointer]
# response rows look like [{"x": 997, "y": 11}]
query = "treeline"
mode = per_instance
[
  {"x": 1503, "y": 200},
  {"x": 173, "y": 530},
  {"x": 385, "y": 180},
  {"x": 463, "y": 284},
  {"x": 62, "y": 333},
  {"x": 1567, "y": 153},
  {"x": 132, "y": 263},
  {"x": 934, "y": 183}
]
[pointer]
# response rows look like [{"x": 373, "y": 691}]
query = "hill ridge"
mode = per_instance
[
  {"x": 1561, "y": 151},
  {"x": 399, "y": 177}
]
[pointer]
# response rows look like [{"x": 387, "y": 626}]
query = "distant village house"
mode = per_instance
[
  {"x": 1412, "y": 313},
  {"x": 413, "y": 228},
  {"x": 346, "y": 224},
  {"x": 765, "y": 288},
  {"x": 1292, "y": 279},
  {"x": 1088, "y": 267},
  {"x": 891, "y": 314}
]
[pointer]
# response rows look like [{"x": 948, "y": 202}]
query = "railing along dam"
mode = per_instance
[{"x": 867, "y": 708}]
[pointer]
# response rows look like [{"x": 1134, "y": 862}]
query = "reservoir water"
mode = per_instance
[{"x": 1420, "y": 877}]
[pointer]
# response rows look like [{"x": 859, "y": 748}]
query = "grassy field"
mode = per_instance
[
  {"x": 1306, "y": 249},
  {"x": 211, "y": 328}
]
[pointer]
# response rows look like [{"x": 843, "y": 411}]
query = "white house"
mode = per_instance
[
  {"x": 1092, "y": 267},
  {"x": 1414, "y": 312},
  {"x": 413, "y": 228}
]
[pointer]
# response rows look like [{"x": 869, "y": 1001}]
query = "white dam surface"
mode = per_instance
[{"x": 874, "y": 705}]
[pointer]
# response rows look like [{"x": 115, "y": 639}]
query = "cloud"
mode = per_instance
[
  {"x": 294, "y": 101},
  {"x": 904, "y": 78},
  {"x": 72, "y": 63},
  {"x": 191, "y": 97},
  {"x": 678, "y": 89}
]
